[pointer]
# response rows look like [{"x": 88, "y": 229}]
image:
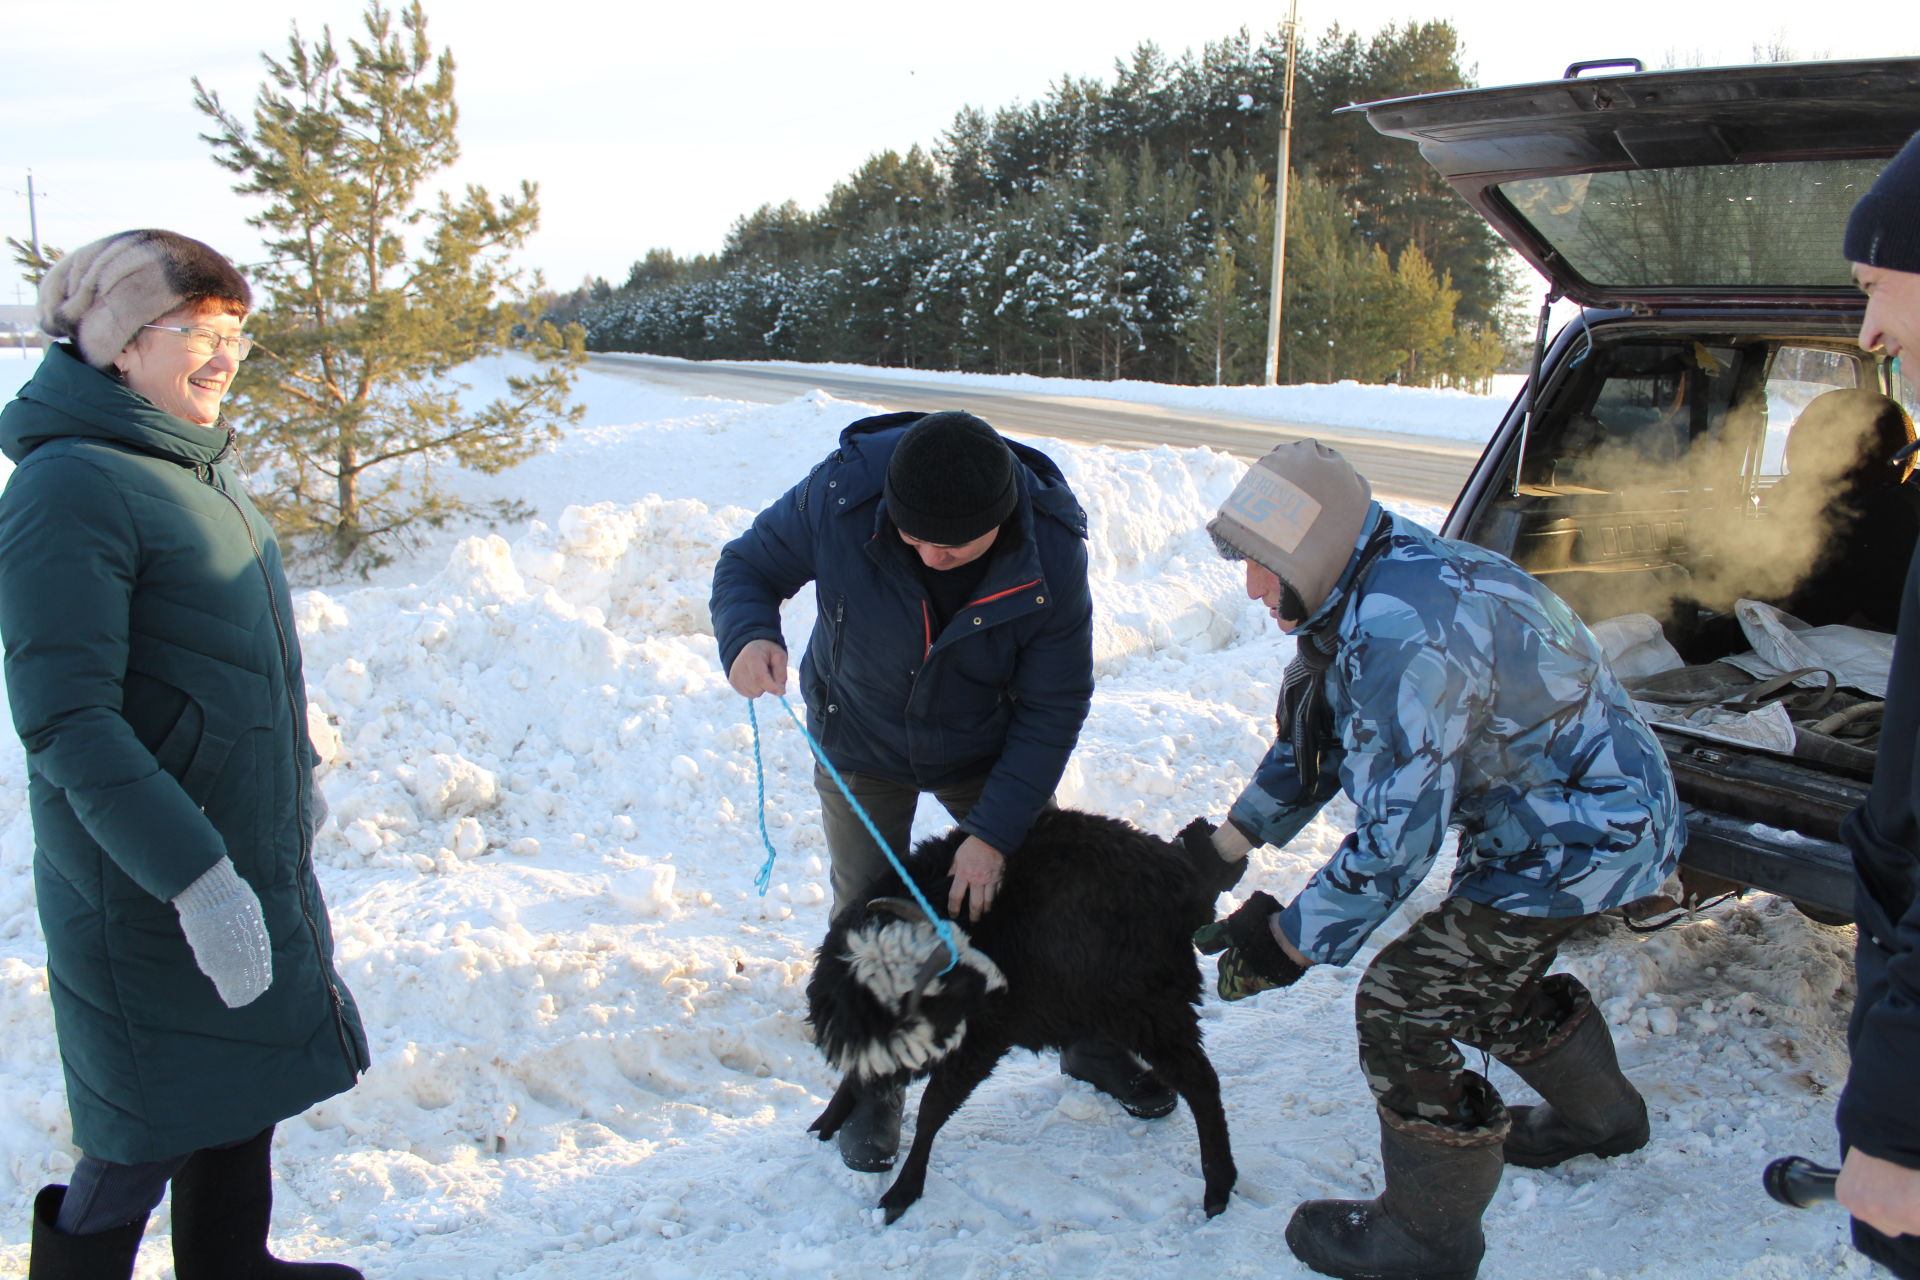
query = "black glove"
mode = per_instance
[
  {"x": 1214, "y": 871},
  {"x": 1253, "y": 961}
]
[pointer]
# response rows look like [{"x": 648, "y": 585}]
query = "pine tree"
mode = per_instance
[
  {"x": 1209, "y": 328},
  {"x": 372, "y": 298},
  {"x": 33, "y": 263}
]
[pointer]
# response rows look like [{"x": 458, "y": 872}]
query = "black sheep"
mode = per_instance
[{"x": 1089, "y": 938}]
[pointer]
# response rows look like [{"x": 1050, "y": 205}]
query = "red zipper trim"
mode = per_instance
[
  {"x": 926, "y": 627},
  {"x": 996, "y": 595}
]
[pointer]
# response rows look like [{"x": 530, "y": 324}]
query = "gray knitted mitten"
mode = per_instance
[{"x": 220, "y": 915}]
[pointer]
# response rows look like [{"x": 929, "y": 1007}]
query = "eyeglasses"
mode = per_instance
[{"x": 204, "y": 342}]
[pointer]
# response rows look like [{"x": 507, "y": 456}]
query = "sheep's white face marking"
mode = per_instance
[{"x": 885, "y": 957}]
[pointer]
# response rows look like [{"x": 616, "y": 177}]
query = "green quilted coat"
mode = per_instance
[{"x": 154, "y": 676}]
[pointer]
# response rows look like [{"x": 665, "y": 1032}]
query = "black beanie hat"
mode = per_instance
[
  {"x": 1884, "y": 230},
  {"x": 951, "y": 479}
]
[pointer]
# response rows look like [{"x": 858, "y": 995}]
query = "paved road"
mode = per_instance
[{"x": 1411, "y": 468}]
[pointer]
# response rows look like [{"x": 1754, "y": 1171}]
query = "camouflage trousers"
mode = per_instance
[{"x": 1463, "y": 972}]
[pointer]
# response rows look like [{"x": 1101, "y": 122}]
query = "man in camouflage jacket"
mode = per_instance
[{"x": 1440, "y": 687}]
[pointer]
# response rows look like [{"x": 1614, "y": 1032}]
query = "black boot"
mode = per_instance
[
  {"x": 870, "y": 1138},
  {"x": 222, "y": 1207},
  {"x": 1590, "y": 1107},
  {"x": 104, "y": 1255},
  {"x": 1425, "y": 1224},
  {"x": 1116, "y": 1072}
]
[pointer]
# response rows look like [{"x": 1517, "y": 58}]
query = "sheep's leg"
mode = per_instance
[
  {"x": 837, "y": 1110},
  {"x": 947, "y": 1088},
  {"x": 1185, "y": 1067}
]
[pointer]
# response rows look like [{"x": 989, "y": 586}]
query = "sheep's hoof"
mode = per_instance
[
  {"x": 1214, "y": 1198},
  {"x": 896, "y": 1202},
  {"x": 824, "y": 1129}
]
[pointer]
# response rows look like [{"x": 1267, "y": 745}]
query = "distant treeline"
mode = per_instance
[{"x": 1114, "y": 231}]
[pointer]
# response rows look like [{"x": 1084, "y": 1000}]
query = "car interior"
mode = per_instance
[{"x": 1674, "y": 475}]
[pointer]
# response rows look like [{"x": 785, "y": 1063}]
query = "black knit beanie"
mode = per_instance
[
  {"x": 1884, "y": 230},
  {"x": 951, "y": 479}
]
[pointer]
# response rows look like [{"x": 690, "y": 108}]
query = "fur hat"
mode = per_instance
[
  {"x": 100, "y": 294},
  {"x": 1297, "y": 513},
  {"x": 1884, "y": 229},
  {"x": 951, "y": 479}
]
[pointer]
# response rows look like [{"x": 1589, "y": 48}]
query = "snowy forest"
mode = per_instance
[{"x": 1115, "y": 230}]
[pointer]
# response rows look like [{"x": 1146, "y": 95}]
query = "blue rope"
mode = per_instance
[{"x": 765, "y": 878}]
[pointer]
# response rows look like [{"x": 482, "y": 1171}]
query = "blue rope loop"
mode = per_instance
[{"x": 765, "y": 877}]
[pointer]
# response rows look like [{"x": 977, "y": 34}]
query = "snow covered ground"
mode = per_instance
[{"x": 589, "y": 1055}]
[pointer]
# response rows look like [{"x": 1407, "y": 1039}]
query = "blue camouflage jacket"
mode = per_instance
[
  {"x": 1465, "y": 694},
  {"x": 1001, "y": 690}
]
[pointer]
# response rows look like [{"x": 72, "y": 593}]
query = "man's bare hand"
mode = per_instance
[
  {"x": 1882, "y": 1194},
  {"x": 759, "y": 668},
  {"x": 977, "y": 868}
]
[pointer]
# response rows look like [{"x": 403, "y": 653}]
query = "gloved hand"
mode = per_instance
[
  {"x": 317, "y": 800},
  {"x": 1214, "y": 871},
  {"x": 220, "y": 914},
  {"x": 1253, "y": 961}
]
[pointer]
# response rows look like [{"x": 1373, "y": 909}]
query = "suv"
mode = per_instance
[{"x": 1696, "y": 216}]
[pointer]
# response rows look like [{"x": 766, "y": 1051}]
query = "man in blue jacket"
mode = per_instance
[
  {"x": 1880, "y": 1180},
  {"x": 1440, "y": 686},
  {"x": 952, "y": 653}
]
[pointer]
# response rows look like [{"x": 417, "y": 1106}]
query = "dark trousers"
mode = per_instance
[
  {"x": 1463, "y": 972},
  {"x": 857, "y": 860},
  {"x": 1898, "y": 1254},
  {"x": 103, "y": 1195}
]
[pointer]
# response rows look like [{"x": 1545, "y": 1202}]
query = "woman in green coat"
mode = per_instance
[{"x": 154, "y": 675}]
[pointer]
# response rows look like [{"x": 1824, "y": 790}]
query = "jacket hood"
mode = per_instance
[
  {"x": 868, "y": 443},
  {"x": 1343, "y": 586},
  {"x": 68, "y": 397}
]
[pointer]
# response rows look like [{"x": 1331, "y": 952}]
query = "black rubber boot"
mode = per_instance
[
  {"x": 870, "y": 1138},
  {"x": 1116, "y": 1072},
  {"x": 222, "y": 1207},
  {"x": 104, "y": 1255},
  {"x": 1425, "y": 1224},
  {"x": 1590, "y": 1108}
]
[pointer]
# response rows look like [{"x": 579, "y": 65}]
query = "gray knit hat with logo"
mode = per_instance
[
  {"x": 1298, "y": 513},
  {"x": 99, "y": 295},
  {"x": 1884, "y": 229}
]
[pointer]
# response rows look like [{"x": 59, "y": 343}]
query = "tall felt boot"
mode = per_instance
[
  {"x": 870, "y": 1138},
  {"x": 1590, "y": 1108},
  {"x": 1425, "y": 1225},
  {"x": 222, "y": 1207},
  {"x": 1115, "y": 1071},
  {"x": 104, "y": 1255}
]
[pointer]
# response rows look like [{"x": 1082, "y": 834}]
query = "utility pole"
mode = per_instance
[
  {"x": 33, "y": 216},
  {"x": 1278, "y": 280}
]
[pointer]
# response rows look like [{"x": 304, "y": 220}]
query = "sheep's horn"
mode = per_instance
[
  {"x": 930, "y": 968},
  {"x": 906, "y": 908}
]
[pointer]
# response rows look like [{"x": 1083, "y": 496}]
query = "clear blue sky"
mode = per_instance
[{"x": 658, "y": 125}]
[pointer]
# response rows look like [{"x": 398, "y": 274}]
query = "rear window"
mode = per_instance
[{"x": 1715, "y": 227}]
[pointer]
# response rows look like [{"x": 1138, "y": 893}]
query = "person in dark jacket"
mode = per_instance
[
  {"x": 154, "y": 676},
  {"x": 952, "y": 653},
  {"x": 1880, "y": 1178}
]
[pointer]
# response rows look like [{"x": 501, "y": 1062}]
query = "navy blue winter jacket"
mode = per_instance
[{"x": 1001, "y": 690}]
